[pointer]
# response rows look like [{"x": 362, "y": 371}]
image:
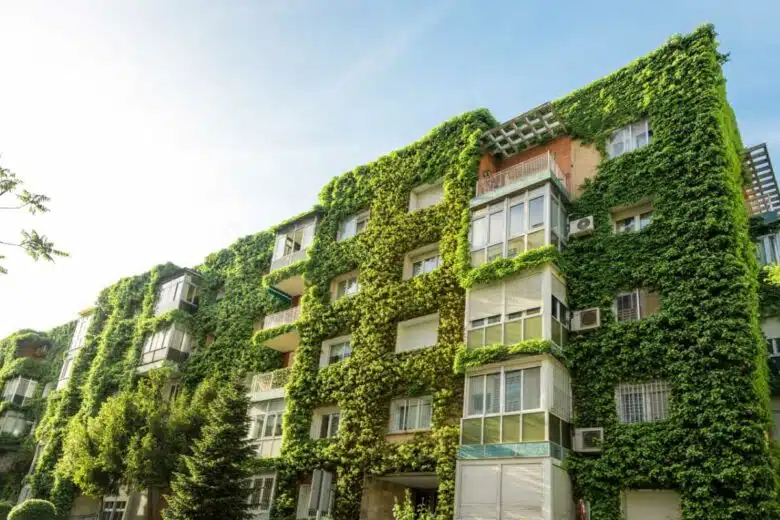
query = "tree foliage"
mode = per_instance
[
  {"x": 213, "y": 482},
  {"x": 33, "y": 510},
  {"x": 34, "y": 244}
]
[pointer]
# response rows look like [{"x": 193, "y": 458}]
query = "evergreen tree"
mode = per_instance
[{"x": 213, "y": 483}]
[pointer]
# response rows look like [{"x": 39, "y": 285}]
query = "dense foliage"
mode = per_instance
[
  {"x": 33, "y": 510},
  {"x": 697, "y": 254}
]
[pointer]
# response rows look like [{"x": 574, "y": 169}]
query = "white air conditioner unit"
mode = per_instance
[
  {"x": 586, "y": 319},
  {"x": 588, "y": 440},
  {"x": 581, "y": 226}
]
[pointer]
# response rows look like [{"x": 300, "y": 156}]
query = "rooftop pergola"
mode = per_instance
[
  {"x": 524, "y": 131},
  {"x": 761, "y": 194}
]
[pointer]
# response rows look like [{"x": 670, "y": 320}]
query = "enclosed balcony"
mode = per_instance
[
  {"x": 172, "y": 344},
  {"x": 291, "y": 244},
  {"x": 14, "y": 424},
  {"x": 288, "y": 339},
  {"x": 19, "y": 391},
  {"x": 179, "y": 292},
  {"x": 523, "y": 175}
]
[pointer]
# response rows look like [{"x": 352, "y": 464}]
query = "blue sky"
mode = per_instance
[{"x": 166, "y": 130}]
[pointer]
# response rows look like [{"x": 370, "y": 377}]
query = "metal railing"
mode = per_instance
[
  {"x": 268, "y": 380},
  {"x": 282, "y": 318},
  {"x": 519, "y": 172},
  {"x": 288, "y": 259}
]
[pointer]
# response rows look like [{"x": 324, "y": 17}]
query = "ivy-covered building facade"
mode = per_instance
[{"x": 552, "y": 318}]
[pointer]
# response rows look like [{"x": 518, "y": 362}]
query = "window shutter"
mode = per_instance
[
  {"x": 304, "y": 494},
  {"x": 522, "y": 492},
  {"x": 485, "y": 300},
  {"x": 478, "y": 493},
  {"x": 523, "y": 293},
  {"x": 314, "y": 496},
  {"x": 325, "y": 493}
]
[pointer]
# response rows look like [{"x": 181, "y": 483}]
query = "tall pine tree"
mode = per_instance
[{"x": 213, "y": 484}]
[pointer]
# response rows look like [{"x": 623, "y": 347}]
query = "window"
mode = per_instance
[
  {"x": 327, "y": 424},
  {"x": 560, "y": 322},
  {"x": 113, "y": 509},
  {"x": 773, "y": 346},
  {"x": 158, "y": 345},
  {"x": 80, "y": 333},
  {"x": 67, "y": 368},
  {"x": 265, "y": 419},
  {"x": 417, "y": 333},
  {"x": 181, "y": 289},
  {"x": 353, "y": 225},
  {"x": 14, "y": 423},
  {"x": 315, "y": 500},
  {"x": 410, "y": 414},
  {"x": 768, "y": 249},
  {"x": 297, "y": 238},
  {"x": 261, "y": 493},
  {"x": 504, "y": 407},
  {"x": 421, "y": 261},
  {"x": 335, "y": 350},
  {"x": 345, "y": 285},
  {"x": 426, "y": 196},
  {"x": 517, "y": 224},
  {"x": 19, "y": 391},
  {"x": 632, "y": 219},
  {"x": 636, "y": 304},
  {"x": 505, "y": 312},
  {"x": 173, "y": 391},
  {"x": 629, "y": 138},
  {"x": 645, "y": 402}
]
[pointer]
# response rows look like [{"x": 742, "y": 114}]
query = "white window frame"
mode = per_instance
[
  {"x": 427, "y": 256},
  {"x": 406, "y": 403},
  {"x": 627, "y": 136},
  {"x": 773, "y": 347},
  {"x": 327, "y": 345},
  {"x": 768, "y": 249},
  {"x": 353, "y": 225},
  {"x": 636, "y": 218},
  {"x": 80, "y": 333},
  {"x": 261, "y": 417},
  {"x": 297, "y": 237},
  {"x": 502, "y": 412},
  {"x": 639, "y": 311},
  {"x": 259, "y": 484},
  {"x": 414, "y": 196},
  {"x": 11, "y": 390},
  {"x": 321, "y": 415},
  {"x": 553, "y": 227},
  {"x": 405, "y": 325},
  {"x": 113, "y": 511},
  {"x": 654, "y": 398},
  {"x": 352, "y": 285}
]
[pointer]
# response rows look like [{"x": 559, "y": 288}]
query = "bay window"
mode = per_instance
[
  {"x": 172, "y": 343},
  {"x": 180, "y": 290},
  {"x": 517, "y": 224}
]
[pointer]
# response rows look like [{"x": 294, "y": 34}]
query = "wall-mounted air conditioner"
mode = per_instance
[
  {"x": 586, "y": 319},
  {"x": 581, "y": 226},
  {"x": 588, "y": 440}
]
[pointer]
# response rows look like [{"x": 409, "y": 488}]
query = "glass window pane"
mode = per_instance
[
  {"x": 533, "y": 427},
  {"x": 625, "y": 225},
  {"x": 426, "y": 412},
  {"x": 555, "y": 214},
  {"x": 475, "y": 338},
  {"x": 511, "y": 431},
  {"x": 556, "y": 332},
  {"x": 513, "y": 391},
  {"x": 472, "y": 431},
  {"x": 515, "y": 247},
  {"x": 532, "y": 388},
  {"x": 493, "y": 335},
  {"x": 478, "y": 257},
  {"x": 535, "y": 239},
  {"x": 533, "y": 328},
  {"x": 516, "y": 218},
  {"x": 536, "y": 213},
  {"x": 496, "y": 227},
  {"x": 493, "y": 393},
  {"x": 412, "y": 414},
  {"x": 513, "y": 332},
  {"x": 417, "y": 268},
  {"x": 566, "y": 435},
  {"x": 555, "y": 429},
  {"x": 476, "y": 395},
  {"x": 645, "y": 219},
  {"x": 496, "y": 251},
  {"x": 479, "y": 232},
  {"x": 492, "y": 430}
]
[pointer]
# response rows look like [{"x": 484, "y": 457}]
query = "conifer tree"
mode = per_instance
[{"x": 213, "y": 483}]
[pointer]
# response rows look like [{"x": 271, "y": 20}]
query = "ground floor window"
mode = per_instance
[
  {"x": 262, "y": 493},
  {"x": 113, "y": 509}
]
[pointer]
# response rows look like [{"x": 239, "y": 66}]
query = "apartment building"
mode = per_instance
[{"x": 550, "y": 318}]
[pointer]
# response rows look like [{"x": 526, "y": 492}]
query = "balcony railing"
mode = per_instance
[
  {"x": 288, "y": 259},
  {"x": 269, "y": 380},
  {"x": 527, "y": 171},
  {"x": 282, "y": 318}
]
